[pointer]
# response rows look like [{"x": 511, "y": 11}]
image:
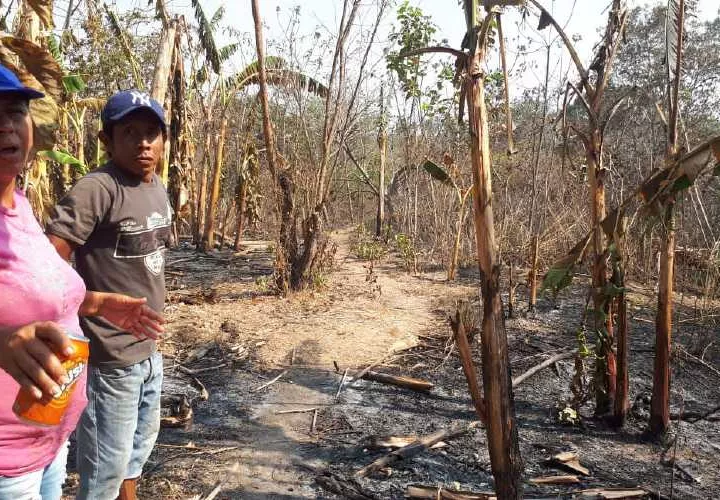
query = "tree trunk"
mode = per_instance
[
  {"x": 511, "y": 290},
  {"x": 223, "y": 231},
  {"x": 605, "y": 368},
  {"x": 208, "y": 240},
  {"x": 502, "y": 433},
  {"x": 242, "y": 200},
  {"x": 161, "y": 77},
  {"x": 532, "y": 278},
  {"x": 506, "y": 85},
  {"x": 621, "y": 386},
  {"x": 660, "y": 405},
  {"x": 202, "y": 194},
  {"x": 382, "y": 146}
]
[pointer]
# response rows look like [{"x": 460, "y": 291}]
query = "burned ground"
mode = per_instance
[{"x": 233, "y": 336}]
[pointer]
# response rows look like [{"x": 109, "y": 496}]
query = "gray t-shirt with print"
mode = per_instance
[{"x": 122, "y": 227}]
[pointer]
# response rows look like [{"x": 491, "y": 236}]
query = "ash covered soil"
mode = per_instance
[{"x": 298, "y": 438}]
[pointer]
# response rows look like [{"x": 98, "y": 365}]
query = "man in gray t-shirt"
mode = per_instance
[{"x": 116, "y": 220}]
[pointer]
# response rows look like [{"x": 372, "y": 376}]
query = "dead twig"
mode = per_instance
[
  {"x": 268, "y": 384},
  {"x": 342, "y": 382},
  {"x": 440, "y": 493},
  {"x": 214, "y": 492},
  {"x": 314, "y": 422},
  {"x": 302, "y": 410},
  {"x": 188, "y": 371},
  {"x": 414, "y": 448},
  {"x": 548, "y": 362}
]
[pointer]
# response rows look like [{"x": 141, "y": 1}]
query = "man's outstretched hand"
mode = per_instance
[{"x": 130, "y": 314}]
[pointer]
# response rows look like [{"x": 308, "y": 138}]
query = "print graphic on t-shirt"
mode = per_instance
[{"x": 154, "y": 262}]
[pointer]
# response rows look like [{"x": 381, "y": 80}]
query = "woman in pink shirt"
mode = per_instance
[{"x": 40, "y": 299}]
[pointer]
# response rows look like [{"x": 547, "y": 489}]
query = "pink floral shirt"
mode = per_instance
[{"x": 36, "y": 284}]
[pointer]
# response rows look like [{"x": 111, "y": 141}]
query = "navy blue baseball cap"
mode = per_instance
[
  {"x": 123, "y": 103},
  {"x": 9, "y": 82}
]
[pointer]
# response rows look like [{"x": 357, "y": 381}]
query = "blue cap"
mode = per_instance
[
  {"x": 123, "y": 103},
  {"x": 9, "y": 82}
]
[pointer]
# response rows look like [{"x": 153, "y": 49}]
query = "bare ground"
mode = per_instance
[{"x": 242, "y": 441}]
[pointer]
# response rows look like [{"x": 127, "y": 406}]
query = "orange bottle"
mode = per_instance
[{"x": 32, "y": 411}]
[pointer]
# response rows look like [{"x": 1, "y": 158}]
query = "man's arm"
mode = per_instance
[{"x": 63, "y": 247}]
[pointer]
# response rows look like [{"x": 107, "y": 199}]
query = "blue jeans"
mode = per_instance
[
  {"x": 44, "y": 484},
  {"x": 117, "y": 432}
]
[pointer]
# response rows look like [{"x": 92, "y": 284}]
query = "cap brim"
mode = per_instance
[
  {"x": 119, "y": 116},
  {"x": 26, "y": 92}
]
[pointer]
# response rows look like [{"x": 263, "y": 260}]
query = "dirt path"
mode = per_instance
[{"x": 359, "y": 318}]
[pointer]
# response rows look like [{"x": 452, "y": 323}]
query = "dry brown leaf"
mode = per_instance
[
  {"x": 40, "y": 63},
  {"x": 43, "y": 8}
]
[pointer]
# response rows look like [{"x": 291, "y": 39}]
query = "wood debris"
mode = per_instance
[
  {"x": 569, "y": 460},
  {"x": 414, "y": 448},
  {"x": 181, "y": 414},
  {"x": 433, "y": 493},
  {"x": 394, "y": 442},
  {"x": 268, "y": 384},
  {"x": 612, "y": 493},
  {"x": 555, "y": 480},
  {"x": 399, "y": 381}
]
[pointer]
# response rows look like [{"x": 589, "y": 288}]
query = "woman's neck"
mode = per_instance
[{"x": 7, "y": 193}]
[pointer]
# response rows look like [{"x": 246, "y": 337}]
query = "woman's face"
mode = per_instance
[{"x": 16, "y": 135}]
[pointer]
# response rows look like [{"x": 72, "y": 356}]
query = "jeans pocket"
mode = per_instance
[{"x": 114, "y": 373}]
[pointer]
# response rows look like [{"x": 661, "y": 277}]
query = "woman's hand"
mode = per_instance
[
  {"x": 28, "y": 355},
  {"x": 130, "y": 314}
]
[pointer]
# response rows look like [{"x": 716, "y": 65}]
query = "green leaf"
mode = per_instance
[
  {"x": 438, "y": 173},
  {"x": 557, "y": 278},
  {"x": 64, "y": 158},
  {"x": 716, "y": 170},
  {"x": 73, "y": 84}
]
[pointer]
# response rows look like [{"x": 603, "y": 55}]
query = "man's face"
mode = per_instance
[
  {"x": 137, "y": 143},
  {"x": 16, "y": 135}
]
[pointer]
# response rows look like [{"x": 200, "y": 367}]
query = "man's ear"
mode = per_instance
[{"x": 106, "y": 142}]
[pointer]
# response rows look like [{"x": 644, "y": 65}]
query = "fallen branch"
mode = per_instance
[
  {"x": 394, "y": 442},
  {"x": 302, "y": 410},
  {"x": 369, "y": 367},
  {"x": 468, "y": 366},
  {"x": 555, "y": 480},
  {"x": 440, "y": 493},
  {"x": 188, "y": 371},
  {"x": 268, "y": 384},
  {"x": 699, "y": 361},
  {"x": 405, "y": 382},
  {"x": 214, "y": 492},
  {"x": 414, "y": 448},
  {"x": 548, "y": 362},
  {"x": 612, "y": 493}
]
